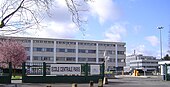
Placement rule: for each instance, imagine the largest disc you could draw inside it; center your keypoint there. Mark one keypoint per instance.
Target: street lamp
(160, 28)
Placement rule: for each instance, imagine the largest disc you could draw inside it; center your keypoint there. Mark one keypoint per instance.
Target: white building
(73, 51)
(146, 63)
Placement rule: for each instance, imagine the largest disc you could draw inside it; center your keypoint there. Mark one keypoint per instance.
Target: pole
(160, 28)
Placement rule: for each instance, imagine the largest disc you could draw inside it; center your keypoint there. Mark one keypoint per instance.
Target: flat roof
(164, 62)
(35, 38)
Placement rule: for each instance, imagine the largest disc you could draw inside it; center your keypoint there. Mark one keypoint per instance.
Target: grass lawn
(17, 77)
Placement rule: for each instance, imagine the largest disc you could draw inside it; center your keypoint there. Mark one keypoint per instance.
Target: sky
(134, 22)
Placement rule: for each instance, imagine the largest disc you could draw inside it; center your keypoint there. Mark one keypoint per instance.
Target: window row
(42, 41)
(143, 62)
(111, 45)
(87, 44)
(43, 58)
(39, 49)
(64, 42)
(107, 52)
(81, 59)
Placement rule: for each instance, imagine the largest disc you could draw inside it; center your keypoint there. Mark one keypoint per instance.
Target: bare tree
(18, 15)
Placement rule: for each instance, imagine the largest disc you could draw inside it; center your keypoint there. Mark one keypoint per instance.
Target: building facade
(145, 63)
(73, 51)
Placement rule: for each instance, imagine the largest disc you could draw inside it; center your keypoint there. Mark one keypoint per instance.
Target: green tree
(167, 57)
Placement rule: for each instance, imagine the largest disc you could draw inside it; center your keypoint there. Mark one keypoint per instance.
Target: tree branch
(2, 24)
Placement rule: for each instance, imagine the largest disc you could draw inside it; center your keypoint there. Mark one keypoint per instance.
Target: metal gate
(62, 72)
(5, 72)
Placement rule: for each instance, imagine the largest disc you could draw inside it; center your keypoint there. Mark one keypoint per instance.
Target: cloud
(105, 10)
(141, 49)
(153, 40)
(137, 29)
(57, 23)
(115, 32)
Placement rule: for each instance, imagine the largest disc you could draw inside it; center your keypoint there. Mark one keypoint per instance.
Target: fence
(62, 72)
(5, 72)
(167, 72)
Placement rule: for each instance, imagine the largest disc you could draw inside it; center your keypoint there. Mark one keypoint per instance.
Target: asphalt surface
(119, 81)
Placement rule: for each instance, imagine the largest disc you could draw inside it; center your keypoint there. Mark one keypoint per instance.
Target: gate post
(23, 71)
(10, 69)
(166, 70)
(44, 69)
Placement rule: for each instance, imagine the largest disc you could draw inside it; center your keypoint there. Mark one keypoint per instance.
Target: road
(140, 81)
(120, 81)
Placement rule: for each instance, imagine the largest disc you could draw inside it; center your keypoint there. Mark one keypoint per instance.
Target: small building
(140, 62)
(162, 66)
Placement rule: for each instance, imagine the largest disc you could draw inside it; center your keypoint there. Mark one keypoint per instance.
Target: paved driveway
(121, 81)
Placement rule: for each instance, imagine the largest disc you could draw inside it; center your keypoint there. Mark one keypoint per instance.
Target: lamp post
(106, 58)
(160, 28)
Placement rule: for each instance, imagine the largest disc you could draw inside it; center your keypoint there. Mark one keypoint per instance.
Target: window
(36, 58)
(91, 51)
(101, 51)
(27, 48)
(60, 59)
(91, 59)
(28, 57)
(71, 50)
(70, 59)
(120, 52)
(82, 59)
(61, 50)
(110, 52)
(82, 51)
(101, 59)
(111, 60)
(37, 49)
(49, 49)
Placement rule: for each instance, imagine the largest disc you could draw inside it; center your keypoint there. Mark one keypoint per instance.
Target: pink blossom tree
(12, 51)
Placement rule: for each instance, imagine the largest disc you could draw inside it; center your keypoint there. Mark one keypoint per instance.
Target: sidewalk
(45, 85)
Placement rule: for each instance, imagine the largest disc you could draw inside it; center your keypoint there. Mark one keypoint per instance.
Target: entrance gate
(62, 72)
(5, 72)
(167, 72)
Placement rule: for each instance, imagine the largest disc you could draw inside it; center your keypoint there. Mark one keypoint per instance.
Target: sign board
(94, 69)
(62, 69)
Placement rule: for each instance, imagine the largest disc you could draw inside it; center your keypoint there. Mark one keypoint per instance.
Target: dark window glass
(82, 59)
(91, 51)
(82, 51)
(49, 49)
(71, 50)
(70, 58)
(60, 59)
(101, 59)
(91, 59)
(120, 52)
(61, 50)
(37, 49)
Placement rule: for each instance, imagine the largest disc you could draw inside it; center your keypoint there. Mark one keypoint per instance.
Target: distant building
(73, 51)
(145, 63)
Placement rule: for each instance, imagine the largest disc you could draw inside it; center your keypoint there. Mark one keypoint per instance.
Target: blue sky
(134, 22)
(137, 25)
